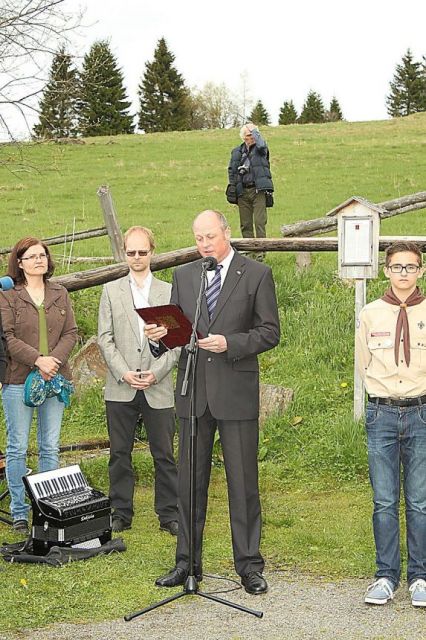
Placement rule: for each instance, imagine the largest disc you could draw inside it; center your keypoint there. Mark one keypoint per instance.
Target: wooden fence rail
(412, 202)
(93, 277)
(78, 235)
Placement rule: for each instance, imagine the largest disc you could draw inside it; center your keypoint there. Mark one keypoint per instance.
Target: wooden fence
(94, 277)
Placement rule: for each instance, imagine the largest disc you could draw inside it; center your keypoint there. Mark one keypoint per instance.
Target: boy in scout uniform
(391, 351)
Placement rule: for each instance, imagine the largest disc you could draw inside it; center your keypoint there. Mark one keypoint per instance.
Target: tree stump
(88, 365)
(274, 400)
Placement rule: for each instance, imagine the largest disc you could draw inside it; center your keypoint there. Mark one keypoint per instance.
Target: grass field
(163, 180)
(315, 492)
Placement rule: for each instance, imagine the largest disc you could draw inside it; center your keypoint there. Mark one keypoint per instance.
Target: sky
(340, 48)
(343, 48)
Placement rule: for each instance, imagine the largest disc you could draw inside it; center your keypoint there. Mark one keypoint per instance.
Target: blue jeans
(18, 423)
(396, 437)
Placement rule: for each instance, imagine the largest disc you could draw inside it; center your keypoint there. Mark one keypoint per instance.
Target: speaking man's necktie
(213, 290)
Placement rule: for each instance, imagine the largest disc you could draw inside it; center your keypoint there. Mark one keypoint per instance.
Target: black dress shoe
(175, 577)
(118, 524)
(254, 583)
(172, 527)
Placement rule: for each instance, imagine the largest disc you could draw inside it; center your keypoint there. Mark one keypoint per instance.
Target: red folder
(170, 316)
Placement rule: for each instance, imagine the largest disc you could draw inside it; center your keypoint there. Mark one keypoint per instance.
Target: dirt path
(296, 607)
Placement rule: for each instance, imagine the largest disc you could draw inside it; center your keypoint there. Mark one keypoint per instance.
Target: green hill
(163, 180)
(315, 496)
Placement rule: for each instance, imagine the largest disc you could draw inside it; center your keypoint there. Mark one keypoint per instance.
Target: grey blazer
(120, 344)
(247, 315)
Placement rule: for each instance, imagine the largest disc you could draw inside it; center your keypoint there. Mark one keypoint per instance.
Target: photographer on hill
(251, 184)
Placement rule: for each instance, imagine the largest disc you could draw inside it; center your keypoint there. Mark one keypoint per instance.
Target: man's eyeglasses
(399, 268)
(35, 256)
(143, 253)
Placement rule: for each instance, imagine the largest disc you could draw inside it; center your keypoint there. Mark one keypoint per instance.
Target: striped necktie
(213, 290)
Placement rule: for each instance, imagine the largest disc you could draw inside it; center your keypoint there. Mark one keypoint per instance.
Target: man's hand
(154, 332)
(215, 342)
(140, 379)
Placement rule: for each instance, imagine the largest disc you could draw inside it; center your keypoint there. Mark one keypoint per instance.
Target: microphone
(209, 263)
(6, 283)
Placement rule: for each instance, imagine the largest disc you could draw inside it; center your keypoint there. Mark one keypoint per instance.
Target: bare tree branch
(30, 32)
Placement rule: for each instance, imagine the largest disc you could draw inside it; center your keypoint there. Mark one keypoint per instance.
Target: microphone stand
(191, 585)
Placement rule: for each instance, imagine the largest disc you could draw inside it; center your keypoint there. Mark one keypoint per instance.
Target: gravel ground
(295, 607)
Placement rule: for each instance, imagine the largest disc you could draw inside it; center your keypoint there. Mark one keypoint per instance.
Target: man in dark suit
(242, 323)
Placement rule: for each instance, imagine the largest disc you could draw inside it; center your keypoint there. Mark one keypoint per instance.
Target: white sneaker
(380, 592)
(418, 593)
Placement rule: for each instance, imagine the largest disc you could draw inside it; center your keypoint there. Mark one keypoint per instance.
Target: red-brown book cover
(170, 316)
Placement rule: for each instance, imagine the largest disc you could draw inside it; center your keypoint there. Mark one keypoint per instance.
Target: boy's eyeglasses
(399, 268)
(143, 253)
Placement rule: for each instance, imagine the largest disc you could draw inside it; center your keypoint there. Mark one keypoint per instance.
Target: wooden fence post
(111, 223)
(359, 390)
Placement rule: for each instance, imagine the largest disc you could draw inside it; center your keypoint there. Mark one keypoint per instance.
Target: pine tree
(103, 108)
(58, 105)
(259, 115)
(423, 89)
(164, 98)
(407, 88)
(334, 113)
(288, 113)
(313, 109)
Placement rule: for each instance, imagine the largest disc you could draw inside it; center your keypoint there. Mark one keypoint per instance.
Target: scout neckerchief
(402, 323)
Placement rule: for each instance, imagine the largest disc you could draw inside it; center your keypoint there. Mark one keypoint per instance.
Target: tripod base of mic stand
(191, 589)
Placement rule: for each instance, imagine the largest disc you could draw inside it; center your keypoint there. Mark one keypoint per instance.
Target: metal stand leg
(191, 589)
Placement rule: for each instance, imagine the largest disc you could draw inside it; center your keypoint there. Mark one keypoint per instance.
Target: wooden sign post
(358, 224)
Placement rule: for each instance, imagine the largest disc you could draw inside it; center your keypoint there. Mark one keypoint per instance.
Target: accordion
(67, 512)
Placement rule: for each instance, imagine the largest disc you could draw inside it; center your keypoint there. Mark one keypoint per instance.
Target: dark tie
(213, 290)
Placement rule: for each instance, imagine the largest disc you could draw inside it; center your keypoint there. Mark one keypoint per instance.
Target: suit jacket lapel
(235, 271)
(154, 297)
(126, 300)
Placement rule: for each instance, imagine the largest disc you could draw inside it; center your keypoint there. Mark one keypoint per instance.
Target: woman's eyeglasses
(35, 256)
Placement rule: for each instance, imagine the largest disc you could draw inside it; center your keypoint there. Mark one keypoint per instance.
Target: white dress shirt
(225, 267)
(140, 299)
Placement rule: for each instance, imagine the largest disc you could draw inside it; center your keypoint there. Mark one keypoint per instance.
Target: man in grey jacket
(137, 384)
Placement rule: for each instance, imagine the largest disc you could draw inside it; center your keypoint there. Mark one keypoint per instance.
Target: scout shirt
(374, 345)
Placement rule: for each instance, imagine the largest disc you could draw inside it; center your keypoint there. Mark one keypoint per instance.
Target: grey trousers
(252, 207)
(122, 419)
(239, 440)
